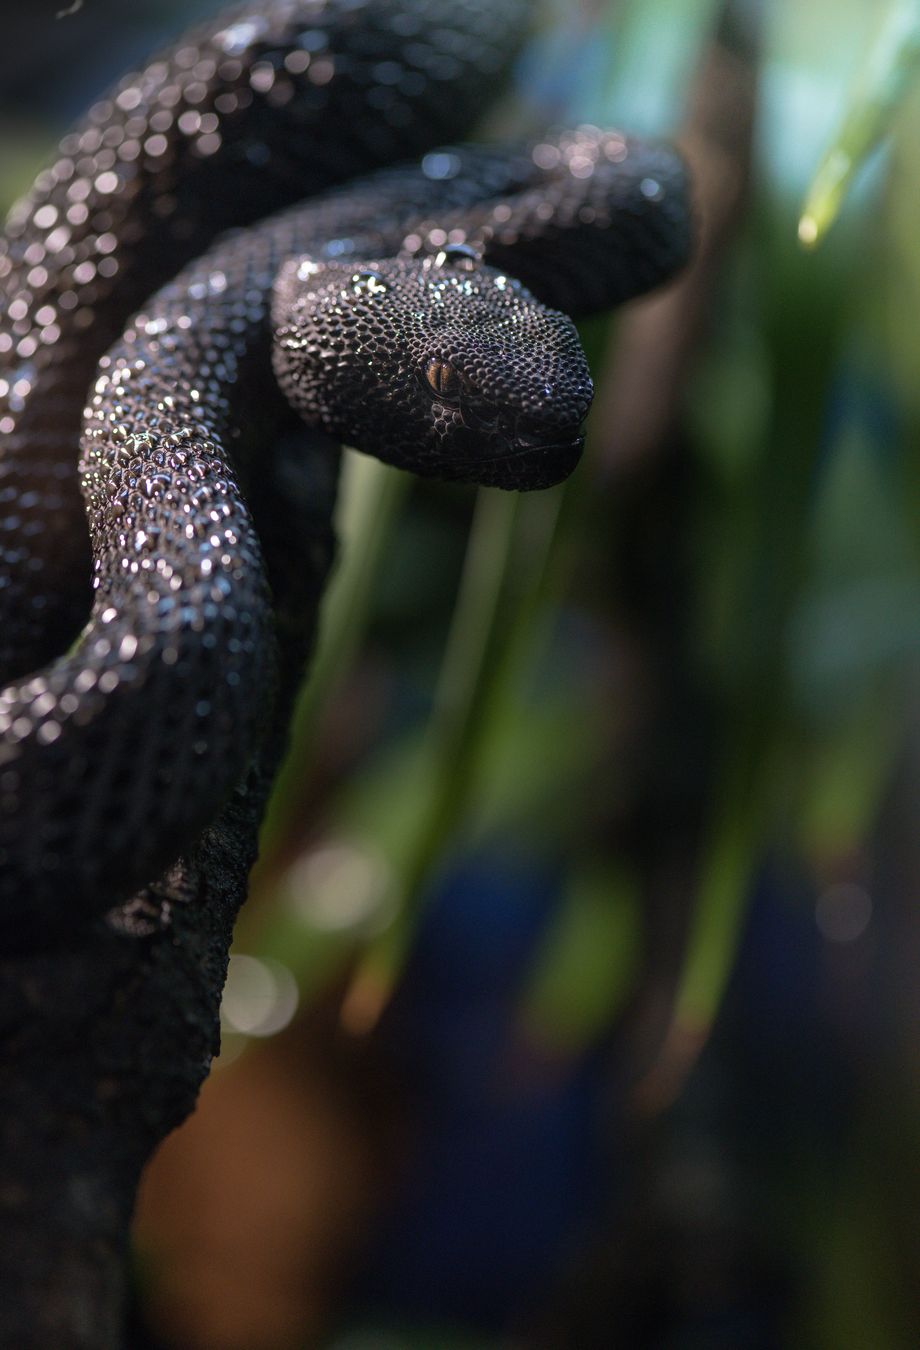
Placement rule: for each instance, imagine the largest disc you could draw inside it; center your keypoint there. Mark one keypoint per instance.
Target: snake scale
(218, 248)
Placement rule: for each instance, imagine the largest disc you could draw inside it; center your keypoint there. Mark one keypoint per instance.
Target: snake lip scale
(524, 459)
(230, 257)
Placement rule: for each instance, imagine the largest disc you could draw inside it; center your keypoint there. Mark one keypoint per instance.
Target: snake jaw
(538, 467)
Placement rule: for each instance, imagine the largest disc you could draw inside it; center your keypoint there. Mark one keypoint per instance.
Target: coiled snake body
(416, 316)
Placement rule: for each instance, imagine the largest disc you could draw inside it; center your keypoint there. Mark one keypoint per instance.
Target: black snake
(416, 312)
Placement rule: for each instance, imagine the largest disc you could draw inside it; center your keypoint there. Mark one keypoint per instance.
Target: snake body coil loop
(419, 313)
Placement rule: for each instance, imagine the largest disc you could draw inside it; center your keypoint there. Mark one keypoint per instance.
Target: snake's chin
(528, 468)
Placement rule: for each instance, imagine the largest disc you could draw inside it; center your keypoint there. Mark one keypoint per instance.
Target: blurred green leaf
(588, 958)
(22, 158)
(891, 67)
(651, 51)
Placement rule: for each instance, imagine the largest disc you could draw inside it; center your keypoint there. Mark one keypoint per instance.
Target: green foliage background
(800, 565)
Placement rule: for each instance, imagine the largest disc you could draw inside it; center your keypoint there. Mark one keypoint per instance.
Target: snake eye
(443, 379)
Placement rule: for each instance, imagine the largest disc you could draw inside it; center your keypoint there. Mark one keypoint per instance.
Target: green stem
(508, 537)
(371, 497)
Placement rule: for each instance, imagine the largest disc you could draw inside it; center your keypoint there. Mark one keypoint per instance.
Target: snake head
(441, 365)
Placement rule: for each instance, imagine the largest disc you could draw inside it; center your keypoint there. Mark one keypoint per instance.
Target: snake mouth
(569, 445)
(525, 466)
